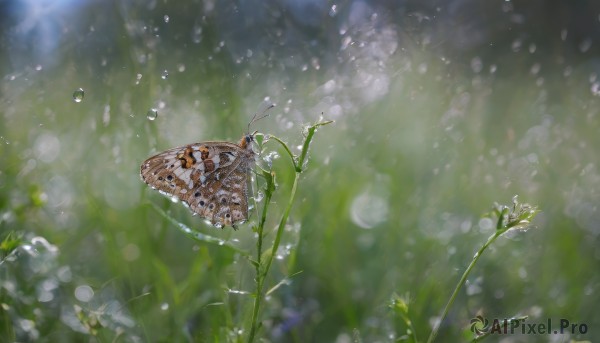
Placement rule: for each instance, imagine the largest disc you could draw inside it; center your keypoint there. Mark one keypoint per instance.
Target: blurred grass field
(438, 115)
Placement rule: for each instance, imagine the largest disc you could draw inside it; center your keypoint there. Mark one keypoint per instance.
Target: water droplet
(78, 95)
(474, 286)
(106, 115)
(197, 34)
(369, 210)
(315, 63)
(259, 196)
(535, 68)
(166, 18)
(152, 114)
(476, 64)
(585, 45)
(164, 306)
(516, 45)
(273, 155)
(164, 75)
(47, 147)
(333, 11)
(595, 88)
(27, 325)
(84, 293)
(346, 42)
(237, 291)
(131, 252)
(181, 67)
(532, 48)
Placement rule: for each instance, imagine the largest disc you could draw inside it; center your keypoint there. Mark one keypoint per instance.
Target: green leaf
(10, 243)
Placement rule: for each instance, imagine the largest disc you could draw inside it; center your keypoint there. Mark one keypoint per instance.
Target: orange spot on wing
(187, 158)
(203, 153)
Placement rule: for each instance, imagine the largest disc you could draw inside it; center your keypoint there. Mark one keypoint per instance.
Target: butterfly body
(211, 178)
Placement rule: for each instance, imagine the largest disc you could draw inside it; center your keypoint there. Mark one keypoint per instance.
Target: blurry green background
(441, 108)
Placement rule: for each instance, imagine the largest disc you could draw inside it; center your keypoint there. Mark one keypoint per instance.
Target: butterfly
(210, 178)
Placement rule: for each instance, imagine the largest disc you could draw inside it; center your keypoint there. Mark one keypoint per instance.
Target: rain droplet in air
(165, 75)
(369, 210)
(152, 114)
(595, 88)
(333, 11)
(78, 95)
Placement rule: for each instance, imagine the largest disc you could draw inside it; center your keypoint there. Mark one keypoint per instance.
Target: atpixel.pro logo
(481, 326)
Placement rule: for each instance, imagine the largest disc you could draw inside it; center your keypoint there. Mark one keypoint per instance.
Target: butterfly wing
(210, 178)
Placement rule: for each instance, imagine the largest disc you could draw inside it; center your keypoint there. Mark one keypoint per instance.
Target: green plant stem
(282, 223)
(519, 217)
(461, 282)
(261, 274)
(259, 277)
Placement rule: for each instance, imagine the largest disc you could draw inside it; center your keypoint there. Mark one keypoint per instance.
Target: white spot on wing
(178, 172)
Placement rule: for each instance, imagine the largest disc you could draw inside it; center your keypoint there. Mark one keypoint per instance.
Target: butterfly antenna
(256, 117)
